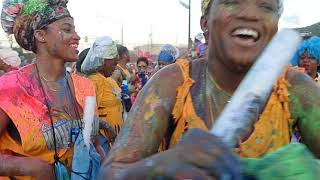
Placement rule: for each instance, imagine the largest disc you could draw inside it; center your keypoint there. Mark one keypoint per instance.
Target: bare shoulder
(167, 79)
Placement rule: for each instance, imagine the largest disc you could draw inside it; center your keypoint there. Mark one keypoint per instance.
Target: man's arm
(305, 107)
(147, 123)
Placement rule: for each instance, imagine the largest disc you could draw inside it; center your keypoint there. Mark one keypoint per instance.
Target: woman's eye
(67, 30)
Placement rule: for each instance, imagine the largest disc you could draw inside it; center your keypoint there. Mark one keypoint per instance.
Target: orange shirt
(272, 131)
(22, 99)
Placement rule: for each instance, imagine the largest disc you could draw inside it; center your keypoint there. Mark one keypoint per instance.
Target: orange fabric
(108, 100)
(21, 100)
(183, 111)
(272, 131)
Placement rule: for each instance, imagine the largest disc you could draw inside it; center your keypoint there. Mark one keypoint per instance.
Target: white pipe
(252, 94)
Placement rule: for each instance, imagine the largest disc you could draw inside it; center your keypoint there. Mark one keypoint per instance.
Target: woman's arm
(305, 107)
(21, 166)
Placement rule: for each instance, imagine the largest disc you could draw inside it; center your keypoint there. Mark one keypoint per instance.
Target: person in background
(126, 77)
(307, 57)
(200, 46)
(168, 55)
(99, 65)
(9, 60)
(124, 59)
(141, 77)
(82, 56)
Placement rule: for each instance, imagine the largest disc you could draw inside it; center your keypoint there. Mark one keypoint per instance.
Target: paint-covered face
(240, 29)
(308, 63)
(142, 67)
(109, 66)
(163, 64)
(62, 39)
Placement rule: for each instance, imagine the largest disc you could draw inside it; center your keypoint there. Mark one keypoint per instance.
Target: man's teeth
(74, 45)
(246, 32)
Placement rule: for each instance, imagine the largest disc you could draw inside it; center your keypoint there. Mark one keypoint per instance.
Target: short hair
(143, 59)
(121, 50)
(279, 10)
(82, 56)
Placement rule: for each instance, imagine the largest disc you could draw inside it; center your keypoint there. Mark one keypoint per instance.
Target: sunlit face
(308, 63)
(240, 29)
(62, 39)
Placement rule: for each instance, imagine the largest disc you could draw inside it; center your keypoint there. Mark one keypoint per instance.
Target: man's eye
(268, 7)
(230, 2)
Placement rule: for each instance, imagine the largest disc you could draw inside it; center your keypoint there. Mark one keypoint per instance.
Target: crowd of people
(151, 120)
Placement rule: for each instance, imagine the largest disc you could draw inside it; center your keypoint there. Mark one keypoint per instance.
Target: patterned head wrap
(103, 48)
(205, 6)
(23, 17)
(311, 46)
(168, 53)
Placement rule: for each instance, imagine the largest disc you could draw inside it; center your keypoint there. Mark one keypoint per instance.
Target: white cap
(10, 57)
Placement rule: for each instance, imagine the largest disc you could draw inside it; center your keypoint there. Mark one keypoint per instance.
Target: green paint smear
(33, 6)
(307, 111)
(293, 161)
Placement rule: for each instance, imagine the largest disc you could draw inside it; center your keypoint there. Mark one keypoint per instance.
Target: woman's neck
(224, 77)
(50, 68)
(122, 63)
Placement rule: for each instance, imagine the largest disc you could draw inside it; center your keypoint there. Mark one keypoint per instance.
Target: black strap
(56, 155)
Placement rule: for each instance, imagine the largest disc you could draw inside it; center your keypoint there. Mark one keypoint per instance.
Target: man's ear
(40, 36)
(204, 23)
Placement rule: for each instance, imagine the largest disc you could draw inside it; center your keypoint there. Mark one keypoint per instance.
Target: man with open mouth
(187, 96)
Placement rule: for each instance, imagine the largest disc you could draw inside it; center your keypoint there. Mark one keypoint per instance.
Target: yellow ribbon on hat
(204, 6)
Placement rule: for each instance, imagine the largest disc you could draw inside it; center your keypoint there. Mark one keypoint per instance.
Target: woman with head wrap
(9, 60)
(168, 55)
(307, 57)
(41, 105)
(99, 65)
(187, 97)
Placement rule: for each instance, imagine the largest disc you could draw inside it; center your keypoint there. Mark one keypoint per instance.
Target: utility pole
(151, 40)
(188, 6)
(189, 28)
(122, 34)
